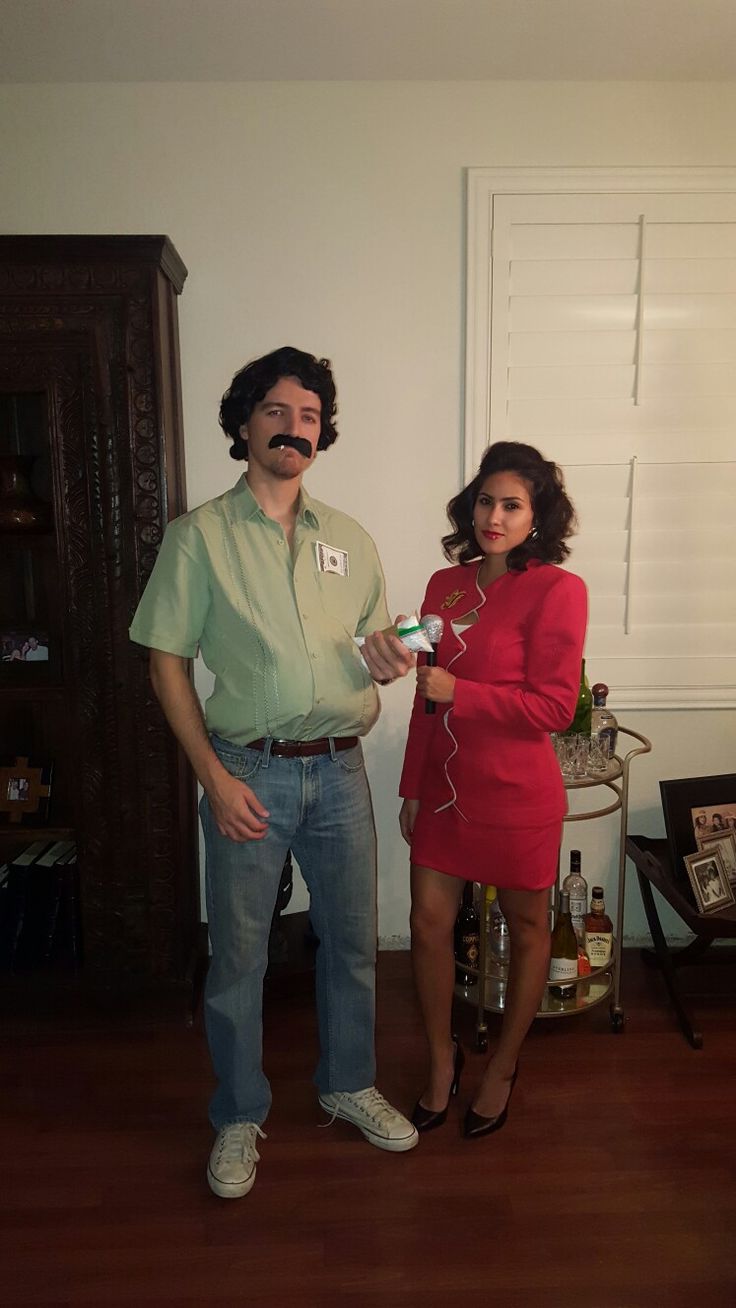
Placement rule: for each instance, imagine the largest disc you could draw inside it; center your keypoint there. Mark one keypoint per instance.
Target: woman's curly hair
(554, 515)
(255, 380)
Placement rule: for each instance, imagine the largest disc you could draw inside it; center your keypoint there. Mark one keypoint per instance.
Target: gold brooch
(452, 598)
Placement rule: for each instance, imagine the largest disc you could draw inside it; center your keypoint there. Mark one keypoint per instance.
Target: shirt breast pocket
(338, 601)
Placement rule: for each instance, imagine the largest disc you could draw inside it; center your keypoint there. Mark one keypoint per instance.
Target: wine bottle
(580, 724)
(598, 931)
(467, 939)
(563, 963)
(602, 721)
(577, 888)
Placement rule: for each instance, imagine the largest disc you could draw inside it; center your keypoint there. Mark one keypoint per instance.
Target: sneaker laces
(370, 1101)
(238, 1143)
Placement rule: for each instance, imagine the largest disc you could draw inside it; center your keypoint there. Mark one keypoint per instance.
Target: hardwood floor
(612, 1186)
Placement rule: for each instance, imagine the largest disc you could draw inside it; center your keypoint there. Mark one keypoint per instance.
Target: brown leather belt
(304, 748)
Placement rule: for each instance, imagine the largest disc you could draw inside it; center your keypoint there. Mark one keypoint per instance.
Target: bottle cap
(597, 892)
(575, 859)
(564, 902)
(600, 689)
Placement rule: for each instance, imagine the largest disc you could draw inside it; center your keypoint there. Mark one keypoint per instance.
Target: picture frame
(24, 645)
(726, 844)
(708, 880)
(684, 801)
(25, 791)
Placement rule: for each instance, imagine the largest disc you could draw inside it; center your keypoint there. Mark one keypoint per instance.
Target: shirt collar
(308, 510)
(248, 506)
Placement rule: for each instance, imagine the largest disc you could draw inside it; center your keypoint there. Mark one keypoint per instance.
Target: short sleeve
(173, 609)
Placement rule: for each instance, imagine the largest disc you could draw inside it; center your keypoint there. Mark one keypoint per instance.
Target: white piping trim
(452, 803)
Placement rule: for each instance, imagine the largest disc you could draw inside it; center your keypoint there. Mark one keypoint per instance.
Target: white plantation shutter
(602, 329)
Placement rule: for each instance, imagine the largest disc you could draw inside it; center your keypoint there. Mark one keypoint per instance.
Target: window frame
(482, 186)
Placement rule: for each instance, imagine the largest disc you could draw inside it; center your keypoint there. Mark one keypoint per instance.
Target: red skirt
(523, 858)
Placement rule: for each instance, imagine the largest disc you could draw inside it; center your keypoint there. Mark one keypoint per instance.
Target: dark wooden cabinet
(90, 432)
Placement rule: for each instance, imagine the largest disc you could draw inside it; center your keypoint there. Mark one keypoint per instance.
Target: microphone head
(433, 626)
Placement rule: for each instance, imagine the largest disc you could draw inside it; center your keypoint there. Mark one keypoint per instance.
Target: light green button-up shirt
(276, 631)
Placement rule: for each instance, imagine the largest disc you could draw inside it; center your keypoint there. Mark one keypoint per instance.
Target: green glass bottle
(583, 709)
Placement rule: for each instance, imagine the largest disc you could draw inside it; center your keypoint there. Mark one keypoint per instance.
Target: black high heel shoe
(425, 1119)
(475, 1125)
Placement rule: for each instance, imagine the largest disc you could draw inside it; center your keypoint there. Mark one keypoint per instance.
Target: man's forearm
(183, 712)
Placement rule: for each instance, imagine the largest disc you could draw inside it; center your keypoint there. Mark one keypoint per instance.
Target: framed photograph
(25, 791)
(24, 646)
(726, 845)
(695, 809)
(708, 880)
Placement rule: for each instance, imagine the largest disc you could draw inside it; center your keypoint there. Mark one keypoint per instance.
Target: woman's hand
(407, 818)
(437, 684)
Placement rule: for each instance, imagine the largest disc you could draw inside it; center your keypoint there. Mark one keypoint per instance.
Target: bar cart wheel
(617, 1019)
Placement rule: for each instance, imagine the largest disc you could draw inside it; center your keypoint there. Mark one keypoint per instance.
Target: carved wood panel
(85, 332)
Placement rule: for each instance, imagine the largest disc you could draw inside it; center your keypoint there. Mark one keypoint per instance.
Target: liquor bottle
(497, 937)
(598, 931)
(602, 721)
(467, 939)
(580, 724)
(563, 963)
(577, 888)
(584, 970)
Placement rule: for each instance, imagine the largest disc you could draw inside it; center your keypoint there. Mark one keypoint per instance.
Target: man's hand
(407, 818)
(386, 656)
(437, 684)
(237, 811)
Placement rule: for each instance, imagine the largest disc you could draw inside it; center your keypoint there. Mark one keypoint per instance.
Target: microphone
(433, 627)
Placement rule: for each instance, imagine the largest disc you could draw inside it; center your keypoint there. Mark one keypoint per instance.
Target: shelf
(614, 770)
(35, 692)
(34, 539)
(29, 834)
(551, 1006)
(590, 991)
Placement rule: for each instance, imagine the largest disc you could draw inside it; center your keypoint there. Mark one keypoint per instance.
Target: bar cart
(489, 993)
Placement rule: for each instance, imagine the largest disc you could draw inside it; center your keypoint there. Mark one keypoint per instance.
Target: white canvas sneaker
(381, 1124)
(231, 1170)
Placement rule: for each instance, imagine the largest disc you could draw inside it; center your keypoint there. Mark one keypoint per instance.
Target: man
(271, 586)
(35, 652)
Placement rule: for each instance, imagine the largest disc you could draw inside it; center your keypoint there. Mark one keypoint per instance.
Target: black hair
(554, 515)
(255, 380)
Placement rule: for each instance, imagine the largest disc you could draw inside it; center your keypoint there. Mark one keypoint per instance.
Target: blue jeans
(320, 807)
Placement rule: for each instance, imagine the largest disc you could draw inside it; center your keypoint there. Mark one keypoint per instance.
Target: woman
(483, 795)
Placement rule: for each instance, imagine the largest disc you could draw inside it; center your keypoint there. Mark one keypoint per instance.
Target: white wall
(330, 216)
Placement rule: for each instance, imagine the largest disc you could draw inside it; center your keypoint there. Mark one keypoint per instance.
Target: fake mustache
(296, 442)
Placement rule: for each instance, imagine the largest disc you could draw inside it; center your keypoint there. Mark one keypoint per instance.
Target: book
(29, 855)
(56, 853)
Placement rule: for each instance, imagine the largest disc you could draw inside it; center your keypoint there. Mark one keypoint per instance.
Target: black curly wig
(255, 380)
(554, 515)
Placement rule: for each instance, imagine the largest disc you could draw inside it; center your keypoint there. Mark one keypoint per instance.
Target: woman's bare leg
(435, 901)
(526, 912)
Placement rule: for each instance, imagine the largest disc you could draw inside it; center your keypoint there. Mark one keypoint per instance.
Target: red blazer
(518, 678)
